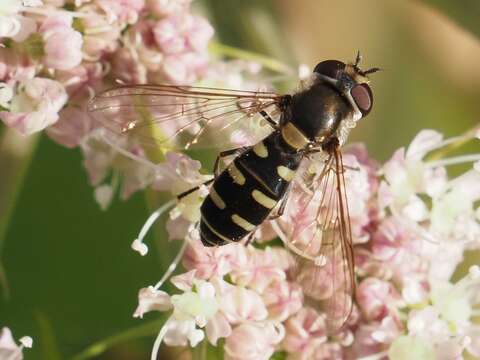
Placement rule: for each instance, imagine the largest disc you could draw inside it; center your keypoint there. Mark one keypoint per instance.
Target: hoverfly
(311, 123)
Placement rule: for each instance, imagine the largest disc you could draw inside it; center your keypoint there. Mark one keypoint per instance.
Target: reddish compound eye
(363, 97)
(330, 68)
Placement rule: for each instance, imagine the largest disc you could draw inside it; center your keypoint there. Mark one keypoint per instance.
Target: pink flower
(127, 67)
(179, 173)
(183, 38)
(100, 158)
(400, 247)
(35, 105)
(14, 25)
(377, 299)
(150, 299)
(9, 350)
(161, 8)
(123, 11)
(73, 126)
(213, 261)
(372, 339)
(182, 33)
(62, 44)
(253, 341)
(239, 304)
(305, 333)
(282, 299)
(184, 68)
(263, 267)
(100, 35)
(15, 66)
(82, 80)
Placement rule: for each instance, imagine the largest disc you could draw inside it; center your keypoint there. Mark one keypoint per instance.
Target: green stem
(15, 155)
(265, 61)
(462, 140)
(147, 329)
(465, 12)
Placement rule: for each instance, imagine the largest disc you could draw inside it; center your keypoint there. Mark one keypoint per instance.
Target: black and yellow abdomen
(245, 193)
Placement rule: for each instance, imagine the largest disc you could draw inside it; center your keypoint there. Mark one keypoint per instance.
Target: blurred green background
(68, 275)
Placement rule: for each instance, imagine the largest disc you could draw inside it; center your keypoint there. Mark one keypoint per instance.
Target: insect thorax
(318, 111)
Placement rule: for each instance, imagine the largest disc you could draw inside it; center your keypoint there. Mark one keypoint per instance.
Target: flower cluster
(411, 225)
(55, 54)
(9, 350)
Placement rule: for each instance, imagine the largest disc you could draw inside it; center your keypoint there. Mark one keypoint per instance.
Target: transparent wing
(181, 117)
(320, 241)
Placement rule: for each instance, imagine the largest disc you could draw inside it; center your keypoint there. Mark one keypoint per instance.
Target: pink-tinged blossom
(182, 33)
(305, 334)
(377, 299)
(213, 261)
(150, 299)
(62, 44)
(116, 157)
(140, 59)
(35, 106)
(162, 8)
(405, 305)
(6, 95)
(9, 350)
(452, 210)
(15, 67)
(282, 300)
(14, 25)
(100, 36)
(183, 68)
(177, 174)
(195, 309)
(253, 341)
(239, 304)
(72, 127)
(183, 39)
(81, 81)
(262, 268)
(123, 11)
(400, 247)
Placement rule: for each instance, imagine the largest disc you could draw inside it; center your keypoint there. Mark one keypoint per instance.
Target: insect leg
(215, 170)
(188, 192)
(283, 204)
(249, 238)
(269, 119)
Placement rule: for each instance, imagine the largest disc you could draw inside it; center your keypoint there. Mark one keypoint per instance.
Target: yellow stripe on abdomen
(244, 224)
(263, 199)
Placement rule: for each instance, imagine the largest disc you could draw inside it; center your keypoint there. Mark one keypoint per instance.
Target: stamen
(128, 154)
(159, 339)
(453, 160)
(49, 12)
(138, 244)
(173, 265)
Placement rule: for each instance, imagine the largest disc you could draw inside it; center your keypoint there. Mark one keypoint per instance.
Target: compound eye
(330, 68)
(363, 97)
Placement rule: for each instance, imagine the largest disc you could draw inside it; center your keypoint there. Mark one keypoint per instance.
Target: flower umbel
(413, 225)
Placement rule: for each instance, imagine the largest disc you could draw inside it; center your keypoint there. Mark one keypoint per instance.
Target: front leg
(216, 171)
(282, 206)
